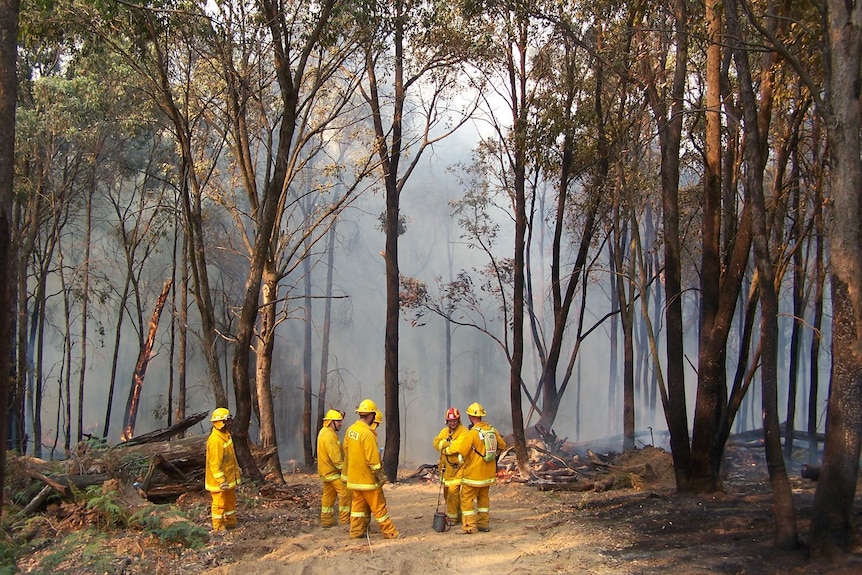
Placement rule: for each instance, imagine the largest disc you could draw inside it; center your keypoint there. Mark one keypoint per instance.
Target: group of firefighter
(352, 471)
(353, 477)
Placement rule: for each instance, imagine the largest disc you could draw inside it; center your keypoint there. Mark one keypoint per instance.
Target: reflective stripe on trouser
(334, 491)
(477, 516)
(223, 510)
(230, 508)
(373, 502)
(452, 496)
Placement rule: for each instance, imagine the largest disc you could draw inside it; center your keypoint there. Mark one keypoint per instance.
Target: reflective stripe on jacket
(362, 457)
(330, 456)
(475, 470)
(450, 465)
(221, 464)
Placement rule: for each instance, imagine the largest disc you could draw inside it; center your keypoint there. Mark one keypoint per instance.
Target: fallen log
(37, 502)
(601, 485)
(60, 488)
(811, 472)
(170, 491)
(165, 434)
(185, 454)
(423, 470)
(755, 437)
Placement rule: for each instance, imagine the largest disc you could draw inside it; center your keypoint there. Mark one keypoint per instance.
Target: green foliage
(108, 512)
(170, 526)
(88, 547)
(132, 465)
(8, 556)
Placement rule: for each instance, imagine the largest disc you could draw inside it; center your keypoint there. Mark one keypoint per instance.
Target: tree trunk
(712, 348)
(182, 315)
(831, 525)
(64, 382)
(263, 366)
(519, 117)
(8, 98)
(85, 308)
(389, 153)
(799, 305)
(308, 435)
(561, 298)
(786, 536)
(669, 121)
(325, 336)
(817, 324)
(140, 371)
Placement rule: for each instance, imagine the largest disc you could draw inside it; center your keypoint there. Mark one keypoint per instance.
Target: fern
(91, 545)
(170, 526)
(104, 504)
(8, 557)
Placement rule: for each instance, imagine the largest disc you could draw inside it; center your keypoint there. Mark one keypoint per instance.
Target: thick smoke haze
(590, 409)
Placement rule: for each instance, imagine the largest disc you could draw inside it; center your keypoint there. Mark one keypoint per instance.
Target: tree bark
(263, 366)
(786, 536)
(669, 122)
(140, 371)
(8, 97)
(308, 435)
(831, 525)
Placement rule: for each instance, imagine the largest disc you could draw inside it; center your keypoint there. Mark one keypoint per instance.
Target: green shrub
(8, 557)
(91, 546)
(108, 512)
(170, 526)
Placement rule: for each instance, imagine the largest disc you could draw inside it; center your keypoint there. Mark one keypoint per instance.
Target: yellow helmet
(333, 415)
(476, 410)
(220, 414)
(366, 406)
(378, 416)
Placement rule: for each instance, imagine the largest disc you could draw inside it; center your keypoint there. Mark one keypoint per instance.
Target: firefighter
(477, 450)
(378, 419)
(450, 468)
(330, 460)
(222, 471)
(365, 477)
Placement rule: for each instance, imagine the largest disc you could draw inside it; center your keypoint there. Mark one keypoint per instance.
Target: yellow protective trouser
(452, 497)
(478, 516)
(374, 502)
(333, 491)
(223, 509)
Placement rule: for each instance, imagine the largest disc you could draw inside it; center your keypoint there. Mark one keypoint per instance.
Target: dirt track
(647, 531)
(524, 539)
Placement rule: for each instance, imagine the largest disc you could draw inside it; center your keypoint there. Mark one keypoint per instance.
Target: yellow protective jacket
(362, 459)
(330, 456)
(475, 470)
(221, 464)
(450, 466)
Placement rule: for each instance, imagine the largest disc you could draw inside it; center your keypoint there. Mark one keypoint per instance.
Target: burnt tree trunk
(141, 367)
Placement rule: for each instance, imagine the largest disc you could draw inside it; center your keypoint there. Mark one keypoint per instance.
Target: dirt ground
(645, 529)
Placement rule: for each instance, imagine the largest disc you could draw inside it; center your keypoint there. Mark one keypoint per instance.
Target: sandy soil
(527, 536)
(645, 530)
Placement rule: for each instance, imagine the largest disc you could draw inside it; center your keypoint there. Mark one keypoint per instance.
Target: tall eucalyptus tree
(419, 46)
(8, 98)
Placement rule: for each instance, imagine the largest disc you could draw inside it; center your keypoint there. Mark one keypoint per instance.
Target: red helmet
(452, 413)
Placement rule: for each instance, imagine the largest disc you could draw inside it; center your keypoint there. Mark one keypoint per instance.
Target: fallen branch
(422, 470)
(164, 434)
(555, 457)
(37, 502)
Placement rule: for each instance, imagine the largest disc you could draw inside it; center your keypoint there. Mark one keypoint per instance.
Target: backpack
(489, 437)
